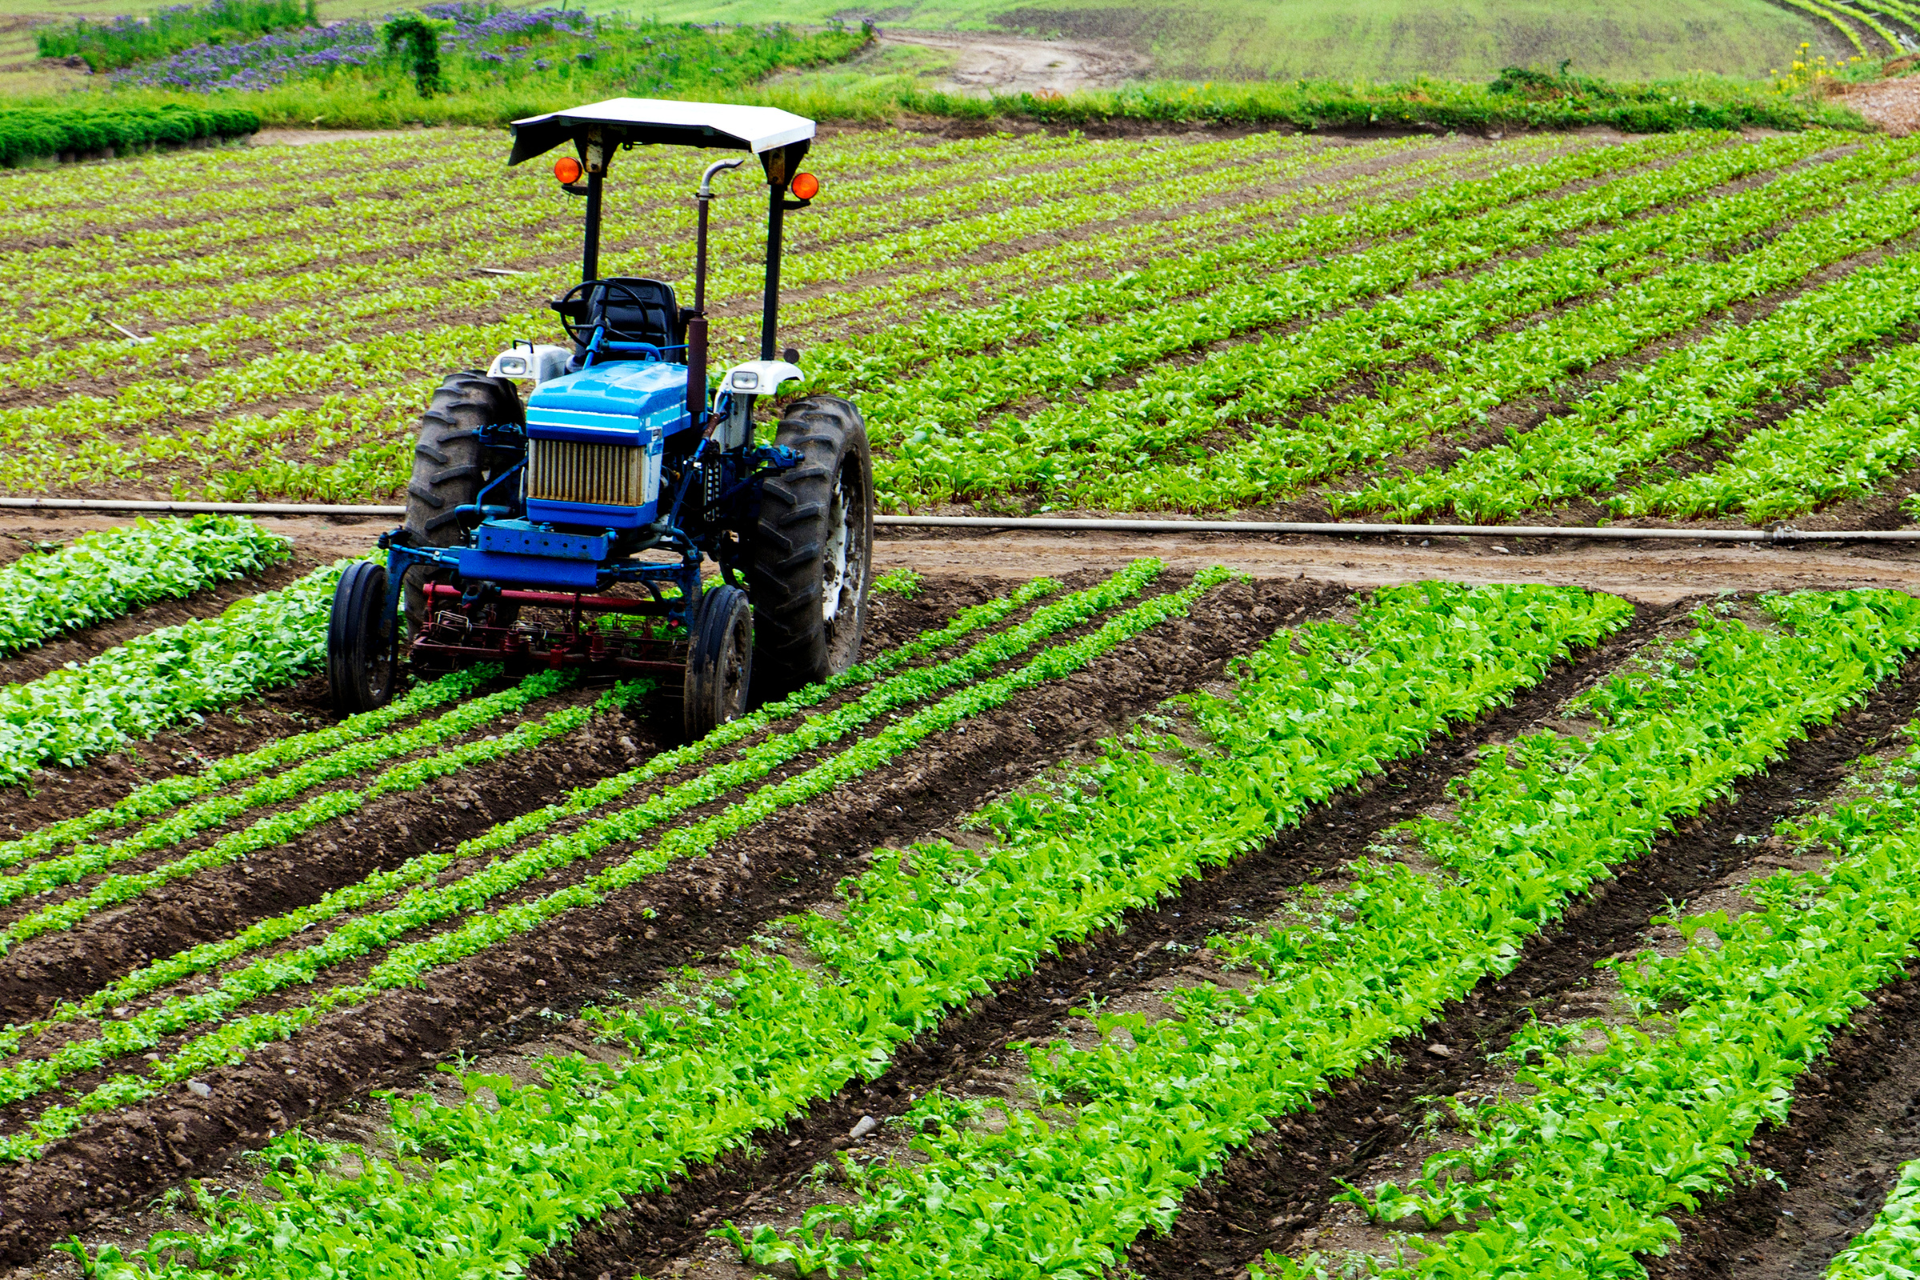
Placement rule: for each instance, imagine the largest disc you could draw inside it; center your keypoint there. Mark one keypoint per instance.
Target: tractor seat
(649, 313)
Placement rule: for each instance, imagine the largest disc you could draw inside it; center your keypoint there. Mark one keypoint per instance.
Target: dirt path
(986, 62)
(1653, 573)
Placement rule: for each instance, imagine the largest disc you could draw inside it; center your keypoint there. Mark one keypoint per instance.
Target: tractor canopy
(651, 120)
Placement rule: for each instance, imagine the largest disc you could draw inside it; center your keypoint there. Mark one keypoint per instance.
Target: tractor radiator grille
(610, 475)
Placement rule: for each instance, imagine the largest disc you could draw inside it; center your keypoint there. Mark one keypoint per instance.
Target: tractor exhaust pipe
(697, 325)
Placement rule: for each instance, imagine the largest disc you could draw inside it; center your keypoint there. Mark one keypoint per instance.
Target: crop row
(209, 219)
(165, 676)
(417, 250)
(915, 941)
(347, 417)
(1090, 451)
(1696, 393)
(87, 860)
(422, 238)
(751, 763)
(483, 927)
(391, 361)
(1841, 446)
(1184, 303)
(1161, 1106)
(425, 905)
(1274, 455)
(342, 320)
(1583, 1171)
(105, 573)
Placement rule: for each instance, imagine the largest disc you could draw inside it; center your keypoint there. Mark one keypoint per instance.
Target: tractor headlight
(744, 380)
(513, 366)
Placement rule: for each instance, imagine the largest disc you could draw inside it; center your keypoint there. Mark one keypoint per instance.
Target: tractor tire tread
(794, 644)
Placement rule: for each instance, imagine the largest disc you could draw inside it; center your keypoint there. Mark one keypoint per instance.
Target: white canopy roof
(687, 124)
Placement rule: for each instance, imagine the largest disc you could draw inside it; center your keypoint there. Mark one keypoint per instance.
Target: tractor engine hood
(595, 439)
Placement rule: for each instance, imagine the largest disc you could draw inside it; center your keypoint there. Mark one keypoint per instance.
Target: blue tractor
(572, 527)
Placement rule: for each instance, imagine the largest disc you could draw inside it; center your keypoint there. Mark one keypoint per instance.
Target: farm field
(1158, 907)
(1194, 888)
(1697, 327)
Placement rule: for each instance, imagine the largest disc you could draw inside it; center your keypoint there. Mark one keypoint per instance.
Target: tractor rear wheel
(360, 673)
(812, 553)
(719, 661)
(451, 466)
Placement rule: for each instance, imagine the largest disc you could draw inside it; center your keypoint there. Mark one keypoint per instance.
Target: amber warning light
(567, 170)
(805, 186)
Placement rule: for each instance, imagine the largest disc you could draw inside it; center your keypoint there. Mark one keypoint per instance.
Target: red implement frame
(455, 636)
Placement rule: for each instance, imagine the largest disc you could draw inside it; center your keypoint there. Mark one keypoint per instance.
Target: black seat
(640, 310)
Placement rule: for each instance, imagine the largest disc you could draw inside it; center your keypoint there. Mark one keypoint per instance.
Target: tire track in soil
(654, 1230)
(703, 906)
(73, 962)
(1281, 1184)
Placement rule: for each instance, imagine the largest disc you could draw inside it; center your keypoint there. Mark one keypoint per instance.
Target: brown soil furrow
(1279, 1187)
(354, 971)
(657, 1232)
(694, 908)
(388, 831)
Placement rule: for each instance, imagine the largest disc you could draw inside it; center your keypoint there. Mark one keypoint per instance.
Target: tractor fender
(525, 361)
(733, 401)
(758, 378)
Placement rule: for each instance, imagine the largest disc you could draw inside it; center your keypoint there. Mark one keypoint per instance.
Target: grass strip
(281, 827)
(1581, 1175)
(407, 965)
(916, 940)
(1163, 1108)
(105, 573)
(167, 794)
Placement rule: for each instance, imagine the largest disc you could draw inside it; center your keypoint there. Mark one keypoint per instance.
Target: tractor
(571, 527)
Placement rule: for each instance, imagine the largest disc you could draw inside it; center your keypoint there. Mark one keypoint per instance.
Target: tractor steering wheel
(582, 331)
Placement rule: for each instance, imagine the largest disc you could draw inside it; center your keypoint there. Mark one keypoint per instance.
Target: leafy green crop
(1538, 823)
(916, 940)
(103, 574)
(166, 676)
(1582, 1172)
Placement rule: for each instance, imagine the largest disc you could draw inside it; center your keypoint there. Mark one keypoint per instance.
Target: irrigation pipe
(1777, 535)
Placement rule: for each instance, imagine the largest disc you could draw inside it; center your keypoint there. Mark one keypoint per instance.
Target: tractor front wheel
(812, 553)
(360, 673)
(719, 661)
(451, 466)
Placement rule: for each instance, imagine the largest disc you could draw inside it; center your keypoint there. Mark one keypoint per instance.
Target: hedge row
(32, 132)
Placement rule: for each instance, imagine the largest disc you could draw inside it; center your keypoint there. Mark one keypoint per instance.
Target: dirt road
(1653, 573)
(987, 62)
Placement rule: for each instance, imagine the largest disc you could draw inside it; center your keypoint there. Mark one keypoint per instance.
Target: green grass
(1379, 40)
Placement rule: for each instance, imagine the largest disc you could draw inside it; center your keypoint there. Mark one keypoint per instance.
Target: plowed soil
(519, 1000)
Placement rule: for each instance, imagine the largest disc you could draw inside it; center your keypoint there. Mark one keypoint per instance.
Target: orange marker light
(805, 186)
(567, 170)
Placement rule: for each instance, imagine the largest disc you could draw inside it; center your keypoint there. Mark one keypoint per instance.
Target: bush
(35, 132)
